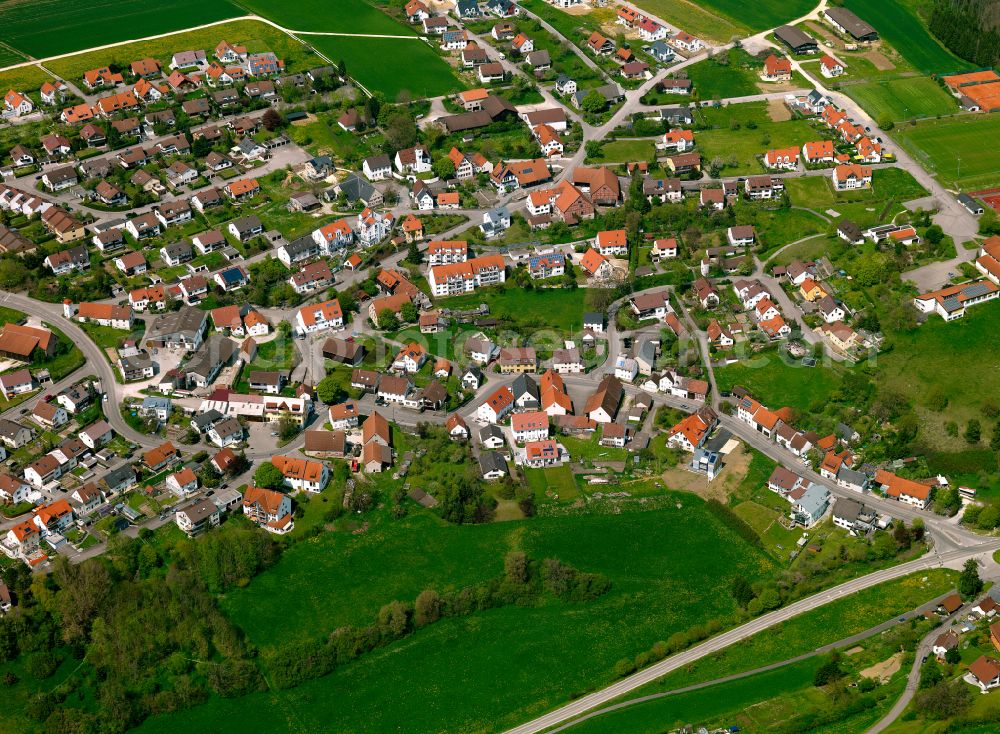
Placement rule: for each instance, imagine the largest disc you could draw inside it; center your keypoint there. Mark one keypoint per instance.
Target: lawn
(403, 65)
(762, 14)
(954, 359)
(50, 27)
(706, 706)
(106, 337)
(625, 151)
(902, 99)
(554, 308)
(558, 480)
(713, 80)
(776, 381)
(345, 16)
(745, 146)
(492, 669)
(956, 149)
(907, 34)
(253, 34)
(695, 20)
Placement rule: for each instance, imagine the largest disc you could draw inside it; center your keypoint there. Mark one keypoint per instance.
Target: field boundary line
(352, 35)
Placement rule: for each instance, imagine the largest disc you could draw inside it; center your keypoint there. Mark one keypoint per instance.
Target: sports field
(907, 34)
(44, 28)
(390, 65)
(962, 151)
(761, 14)
(338, 16)
(903, 99)
(492, 669)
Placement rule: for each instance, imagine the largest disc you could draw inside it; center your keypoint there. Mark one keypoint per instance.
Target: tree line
(969, 28)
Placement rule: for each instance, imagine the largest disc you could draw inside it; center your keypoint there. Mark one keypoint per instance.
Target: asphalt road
(953, 559)
(841, 644)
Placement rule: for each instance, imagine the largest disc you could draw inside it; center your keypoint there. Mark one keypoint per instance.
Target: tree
(408, 312)
(969, 583)
(934, 234)
(742, 591)
(427, 608)
(400, 130)
(268, 475)
(413, 254)
(973, 431)
(953, 656)
(287, 429)
(342, 69)
(902, 535)
(330, 390)
(387, 320)
(444, 167)
(594, 103)
(945, 700)
(272, 120)
(828, 672)
(995, 439)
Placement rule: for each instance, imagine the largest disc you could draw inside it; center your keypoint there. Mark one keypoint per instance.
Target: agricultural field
(45, 28)
(900, 27)
(9, 56)
(332, 16)
(954, 149)
(535, 651)
(760, 15)
(694, 19)
(777, 381)
(24, 78)
(404, 66)
(253, 34)
(902, 99)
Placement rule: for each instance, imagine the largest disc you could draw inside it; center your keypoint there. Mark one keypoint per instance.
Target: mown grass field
(391, 65)
(625, 151)
(44, 28)
(901, 27)
(716, 704)
(492, 669)
(959, 150)
(253, 34)
(338, 16)
(902, 99)
(777, 382)
(759, 15)
(694, 19)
